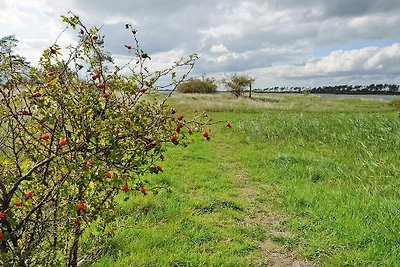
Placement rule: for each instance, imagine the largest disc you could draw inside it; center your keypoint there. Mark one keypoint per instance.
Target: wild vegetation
(204, 85)
(316, 176)
(75, 134)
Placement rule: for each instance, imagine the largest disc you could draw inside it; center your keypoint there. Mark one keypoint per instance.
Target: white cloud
(163, 60)
(7, 14)
(375, 25)
(222, 31)
(387, 57)
(356, 61)
(115, 19)
(218, 49)
(341, 66)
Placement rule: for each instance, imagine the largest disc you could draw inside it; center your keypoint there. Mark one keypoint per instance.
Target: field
(297, 181)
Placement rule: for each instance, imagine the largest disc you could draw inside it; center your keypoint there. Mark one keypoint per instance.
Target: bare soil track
(260, 214)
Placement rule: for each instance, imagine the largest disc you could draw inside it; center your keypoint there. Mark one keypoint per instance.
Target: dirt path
(261, 214)
(270, 221)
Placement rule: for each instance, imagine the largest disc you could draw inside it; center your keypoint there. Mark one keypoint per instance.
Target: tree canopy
(203, 85)
(237, 83)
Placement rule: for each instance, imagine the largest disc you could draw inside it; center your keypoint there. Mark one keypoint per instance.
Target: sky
(278, 42)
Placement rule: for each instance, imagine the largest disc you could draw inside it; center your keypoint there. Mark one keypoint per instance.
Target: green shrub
(199, 85)
(73, 134)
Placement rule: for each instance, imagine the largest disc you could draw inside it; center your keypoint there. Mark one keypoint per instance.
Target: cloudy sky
(280, 42)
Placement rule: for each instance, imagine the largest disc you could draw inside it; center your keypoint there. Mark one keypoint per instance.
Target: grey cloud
(339, 8)
(346, 8)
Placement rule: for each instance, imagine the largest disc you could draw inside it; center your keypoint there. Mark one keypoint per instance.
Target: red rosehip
(178, 130)
(28, 195)
(228, 124)
(108, 174)
(52, 50)
(94, 37)
(81, 31)
(125, 187)
(26, 113)
(128, 46)
(100, 86)
(81, 206)
(18, 203)
(89, 164)
(143, 190)
(205, 135)
(180, 118)
(1, 215)
(77, 221)
(190, 131)
(106, 95)
(96, 76)
(62, 142)
(162, 157)
(51, 73)
(1, 234)
(37, 94)
(142, 90)
(45, 137)
(174, 139)
(160, 169)
(41, 120)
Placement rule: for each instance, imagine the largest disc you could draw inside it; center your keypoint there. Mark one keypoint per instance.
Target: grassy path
(215, 216)
(259, 212)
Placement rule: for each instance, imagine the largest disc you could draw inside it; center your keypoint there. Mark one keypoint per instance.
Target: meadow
(297, 181)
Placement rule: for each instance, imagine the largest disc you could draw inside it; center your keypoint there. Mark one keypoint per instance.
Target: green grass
(200, 223)
(328, 168)
(337, 175)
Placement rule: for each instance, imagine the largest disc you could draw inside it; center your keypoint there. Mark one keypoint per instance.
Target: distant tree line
(390, 89)
(239, 84)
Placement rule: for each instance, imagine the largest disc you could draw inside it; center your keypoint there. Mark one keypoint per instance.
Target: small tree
(202, 85)
(237, 84)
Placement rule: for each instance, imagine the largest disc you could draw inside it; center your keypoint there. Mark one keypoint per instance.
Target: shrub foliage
(74, 133)
(202, 85)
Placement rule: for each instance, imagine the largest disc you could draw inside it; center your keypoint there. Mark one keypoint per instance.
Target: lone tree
(203, 85)
(238, 83)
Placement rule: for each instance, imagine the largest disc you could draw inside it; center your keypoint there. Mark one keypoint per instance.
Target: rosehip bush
(74, 133)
